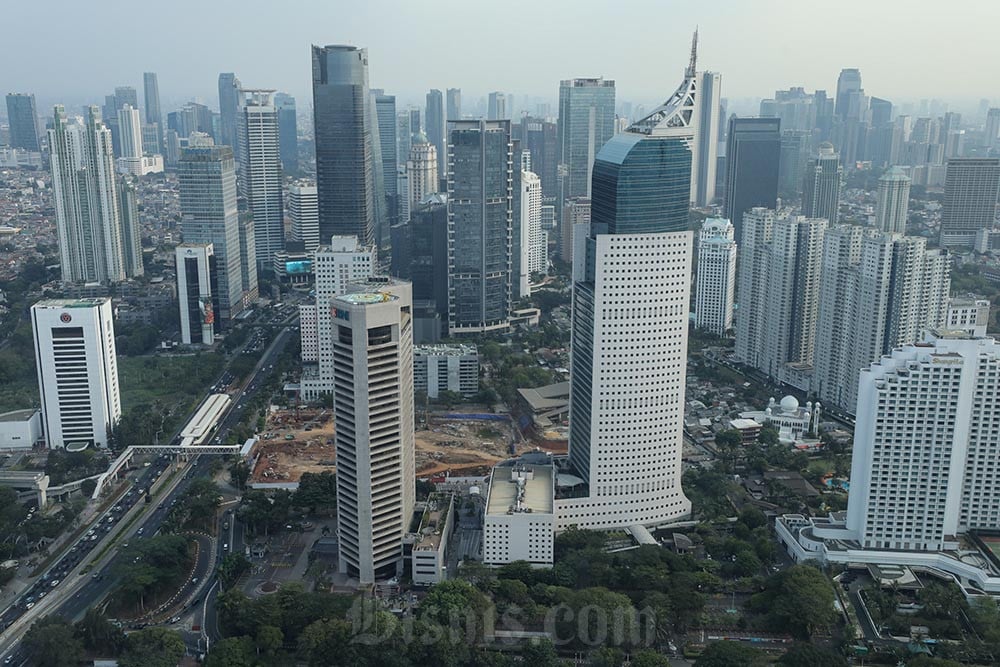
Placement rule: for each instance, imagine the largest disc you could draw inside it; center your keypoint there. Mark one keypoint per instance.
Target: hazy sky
(74, 51)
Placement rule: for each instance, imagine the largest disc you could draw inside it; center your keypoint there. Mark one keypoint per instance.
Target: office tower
(88, 221)
(795, 146)
(126, 95)
(576, 211)
(23, 119)
(288, 132)
(77, 368)
(195, 264)
(229, 103)
(248, 258)
(970, 198)
(454, 104)
(437, 128)
(403, 188)
(497, 109)
(335, 266)
(878, 291)
(372, 337)
(403, 138)
(586, 122)
(848, 87)
(707, 140)
(416, 125)
(924, 459)
(209, 214)
(128, 208)
(753, 151)
(130, 131)
(345, 170)
(778, 292)
(303, 209)
(385, 111)
(893, 201)
(821, 185)
(630, 324)
(421, 170)
(151, 96)
(715, 290)
(420, 255)
(261, 178)
(480, 223)
(990, 136)
(540, 138)
(534, 241)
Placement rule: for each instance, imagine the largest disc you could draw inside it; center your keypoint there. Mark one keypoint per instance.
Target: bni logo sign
(341, 314)
(65, 318)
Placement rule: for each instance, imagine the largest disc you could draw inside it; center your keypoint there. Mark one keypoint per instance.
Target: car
(194, 580)
(225, 547)
(139, 532)
(29, 605)
(55, 582)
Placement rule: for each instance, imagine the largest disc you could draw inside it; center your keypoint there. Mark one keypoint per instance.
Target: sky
(73, 51)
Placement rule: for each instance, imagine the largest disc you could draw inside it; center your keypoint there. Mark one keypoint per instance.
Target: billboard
(298, 267)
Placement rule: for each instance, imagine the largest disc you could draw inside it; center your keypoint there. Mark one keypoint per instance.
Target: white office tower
(715, 290)
(88, 221)
(778, 293)
(303, 209)
(893, 201)
(878, 291)
(705, 157)
(421, 170)
(372, 337)
(335, 266)
(195, 266)
(534, 240)
(130, 131)
(968, 314)
(261, 177)
(403, 188)
(77, 371)
(630, 325)
(925, 464)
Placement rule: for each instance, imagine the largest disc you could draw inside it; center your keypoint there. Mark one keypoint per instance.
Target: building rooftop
(70, 303)
(455, 350)
(432, 521)
(521, 489)
(367, 298)
(18, 415)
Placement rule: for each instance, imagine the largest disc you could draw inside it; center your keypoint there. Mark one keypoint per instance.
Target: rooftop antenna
(694, 55)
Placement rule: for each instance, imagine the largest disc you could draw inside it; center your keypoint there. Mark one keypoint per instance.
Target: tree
(98, 634)
(798, 600)
(153, 647)
(87, 487)
(455, 603)
(424, 489)
(51, 643)
(317, 491)
(269, 639)
(239, 474)
(649, 658)
(233, 565)
(232, 652)
(768, 436)
(730, 654)
(808, 655)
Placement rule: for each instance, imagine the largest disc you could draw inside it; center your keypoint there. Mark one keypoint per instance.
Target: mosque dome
(789, 404)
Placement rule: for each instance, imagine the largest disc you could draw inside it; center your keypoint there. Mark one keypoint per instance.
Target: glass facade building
(586, 122)
(753, 153)
(23, 119)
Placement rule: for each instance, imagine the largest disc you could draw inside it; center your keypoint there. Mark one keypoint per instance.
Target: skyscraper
(128, 207)
(88, 220)
(991, 131)
(454, 104)
(126, 95)
(540, 138)
(630, 323)
(848, 88)
(970, 198)
(534, 241)
(195, 264)
(576, 217)
(130, 131)
(497, 109)
(821, 185)
(437, 128)
(715, 290)
(893, 201)
(229, 109)
(261, 178)
(753, 152)
(23, 119)
(420, 255)
(795, 147)
(372, 337)
(422, 171)
(385, 112)
(586, 122)
(345, 171)
(77, 370)
(209, 214)
(706, 156)
(403, 137)
(480, 220)
(151, 96)
(303, 209)
(288, 133)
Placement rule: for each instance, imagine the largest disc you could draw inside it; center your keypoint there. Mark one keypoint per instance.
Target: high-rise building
(130, 131)
(385, 112)
(437, 128)
(422, 171)
(848, 87)
(303, 209)
(151, 96)
(454, 104)
(706, 155)
(778, 293)
(795, 146)
(195, 264)
(372, 338)
(126, 95)
(420, 255)
(248, 259)
(403, 138)
(288, 132)
(345, 169)
(540, 138)
(821, 185)
(261, 179)
(753, 151)
(968, 314)
(576, 211)
(77, 369)
(209, 214)
(88, 219)
(924, 456)
(715, 289)
(878, 291)
(480, 221)
(970, 199)
(893, 201)
(586, 122)
(992, 128)
(229, 110)
(128, 208)
(23, 119)
(534, 241)
(497, 109)
(630, 324)
(416, 125)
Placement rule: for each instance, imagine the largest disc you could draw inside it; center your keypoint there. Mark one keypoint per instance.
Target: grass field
(170, 380)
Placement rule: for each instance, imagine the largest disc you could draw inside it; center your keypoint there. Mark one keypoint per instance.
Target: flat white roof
(537, 494)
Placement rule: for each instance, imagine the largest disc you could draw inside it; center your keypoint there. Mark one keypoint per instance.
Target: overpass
(27, 482)
(119, 465)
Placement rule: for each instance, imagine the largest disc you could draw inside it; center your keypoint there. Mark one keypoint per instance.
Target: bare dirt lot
(462, 447)
(295, 443)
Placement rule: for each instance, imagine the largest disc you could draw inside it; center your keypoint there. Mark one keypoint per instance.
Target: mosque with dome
(794, 422)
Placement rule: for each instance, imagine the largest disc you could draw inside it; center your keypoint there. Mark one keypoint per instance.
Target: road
(71, 600)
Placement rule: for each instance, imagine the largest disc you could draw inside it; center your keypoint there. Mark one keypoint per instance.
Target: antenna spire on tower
(694, 55)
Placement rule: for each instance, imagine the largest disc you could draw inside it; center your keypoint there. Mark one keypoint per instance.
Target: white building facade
(893, 201)
(438, 368)
(261, 176)
(534, 240)
(303, 209)
(968, 314)
(422, 172)
(520, 522)
(195, 264)
(715, 290)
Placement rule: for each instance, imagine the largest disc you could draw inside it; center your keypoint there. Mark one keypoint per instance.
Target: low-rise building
(794, 423)
(20, 429)
(968, 314)
(429, 552)
(438, 368)
(520, 516)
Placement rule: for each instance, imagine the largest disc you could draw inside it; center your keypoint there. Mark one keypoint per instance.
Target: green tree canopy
(731, 654)
(51, 642)
(798, 600)
(152, 647)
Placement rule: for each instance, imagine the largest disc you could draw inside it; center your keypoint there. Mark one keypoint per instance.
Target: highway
(70, 599)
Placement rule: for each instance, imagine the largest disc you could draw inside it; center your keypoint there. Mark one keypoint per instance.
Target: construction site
(295, 441)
